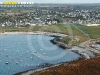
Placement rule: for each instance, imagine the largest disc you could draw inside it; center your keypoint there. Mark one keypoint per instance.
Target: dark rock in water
(52, 41)
(97, 42)
(59, 44)
(45, 65)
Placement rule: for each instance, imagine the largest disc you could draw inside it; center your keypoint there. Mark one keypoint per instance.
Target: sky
(56, 1)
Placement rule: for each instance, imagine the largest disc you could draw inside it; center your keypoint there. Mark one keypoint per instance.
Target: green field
(92, 31)
(13, 29)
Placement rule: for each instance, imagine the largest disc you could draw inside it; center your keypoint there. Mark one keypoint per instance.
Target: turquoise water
(23, 52)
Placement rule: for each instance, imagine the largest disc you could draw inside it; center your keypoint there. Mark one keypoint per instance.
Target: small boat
(41, 49)
(7, 55)
(39, 56)
(44, 53)
(16, 62)
(13, 58)
(6, 62)
(5, 49)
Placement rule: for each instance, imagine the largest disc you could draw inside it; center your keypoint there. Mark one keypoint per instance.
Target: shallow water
(24, 52)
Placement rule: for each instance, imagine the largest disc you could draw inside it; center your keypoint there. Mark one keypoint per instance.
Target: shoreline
(82, 49)
(35, 33)
(29, 72)
(84, 55)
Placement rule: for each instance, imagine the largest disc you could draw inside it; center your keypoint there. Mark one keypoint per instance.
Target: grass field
(13, 29)
(92, 31)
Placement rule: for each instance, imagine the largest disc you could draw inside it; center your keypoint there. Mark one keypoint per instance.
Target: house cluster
(26, 23)
(84, 17)
(52, 14)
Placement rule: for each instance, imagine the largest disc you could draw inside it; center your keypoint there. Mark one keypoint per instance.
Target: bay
(24, 52)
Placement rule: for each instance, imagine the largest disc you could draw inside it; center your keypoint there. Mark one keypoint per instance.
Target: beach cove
(17, 56)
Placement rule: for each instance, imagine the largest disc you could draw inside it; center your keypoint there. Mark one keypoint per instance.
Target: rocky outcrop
(60, 44)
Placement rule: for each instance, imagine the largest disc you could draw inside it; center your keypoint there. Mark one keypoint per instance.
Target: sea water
(24, 52)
